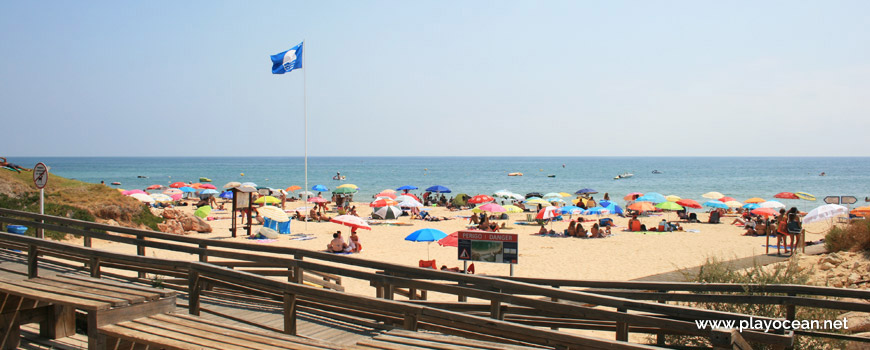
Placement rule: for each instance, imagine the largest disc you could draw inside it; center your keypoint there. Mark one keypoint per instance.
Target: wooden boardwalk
(14, 266)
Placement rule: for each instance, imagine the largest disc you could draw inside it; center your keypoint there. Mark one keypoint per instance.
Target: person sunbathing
(595, 232)
(493, 227)
(337, 244)
(634, 224)
(16, 167)
(572, 230)
(451, 269)
(580, 232)
(474, 219)
(355, 246)
(543, 230)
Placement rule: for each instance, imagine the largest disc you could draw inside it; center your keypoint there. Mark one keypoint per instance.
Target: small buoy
(425, 169)
(242, 174)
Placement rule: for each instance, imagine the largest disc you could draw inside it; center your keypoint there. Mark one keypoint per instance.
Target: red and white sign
(40, 175)
(487, 236)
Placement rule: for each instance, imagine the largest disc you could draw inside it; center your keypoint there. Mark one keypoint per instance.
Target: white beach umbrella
(733, 204)
(273, 213)
(713, 195)
(410, 203)
(232, 184)
(160, 197)
(772, 205)
(143, 197)
(825, 212)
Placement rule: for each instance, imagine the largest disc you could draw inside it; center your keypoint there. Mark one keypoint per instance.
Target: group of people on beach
(786, 226)
(338, 245)
(575, 229)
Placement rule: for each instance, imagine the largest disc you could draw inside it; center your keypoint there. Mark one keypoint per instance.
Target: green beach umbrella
(203, 211)
(344, 190)
(669, 206)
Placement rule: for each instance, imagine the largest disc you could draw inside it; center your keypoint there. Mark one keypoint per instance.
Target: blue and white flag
(287, 61)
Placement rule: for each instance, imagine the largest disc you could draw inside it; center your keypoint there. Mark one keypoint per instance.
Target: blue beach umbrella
(571, 209)
(427, 235)
(319, 188)
(187, 189)
(208, 192)
(751, 206)
(611, 207)
(586, 191)
(438, 189)
(226, 195)
(249, 184)
(596, 211)
(716, 204)
(651, 197)
(406, 187)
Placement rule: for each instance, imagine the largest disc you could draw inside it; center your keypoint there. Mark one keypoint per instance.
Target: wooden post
(233, 213)
(289, 313)
(462, 298)
(95, 267)
(60, 323)
(203, 257)
(555, 300)
(412, 293)
(250, 209)
(411, 321)
(140, 251)
(88, 241)
(297, 271)
(621, 328)
(495, 308)
(660, 336)
(32, 261)
(193, 290)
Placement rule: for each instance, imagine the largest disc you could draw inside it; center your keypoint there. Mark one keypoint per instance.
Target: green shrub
(30, 203)
(852, 237)
(716, 271)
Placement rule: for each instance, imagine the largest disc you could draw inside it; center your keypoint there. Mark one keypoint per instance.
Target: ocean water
(740, 178)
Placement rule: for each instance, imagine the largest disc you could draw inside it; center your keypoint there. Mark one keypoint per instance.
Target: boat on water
(656, 172)
(339, 177)
(204, 179)
(551, 175)
(142, 177)
(515, 174)
(624, 175)
(116, 183)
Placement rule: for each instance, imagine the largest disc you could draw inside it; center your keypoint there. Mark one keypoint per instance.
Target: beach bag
(794, 227)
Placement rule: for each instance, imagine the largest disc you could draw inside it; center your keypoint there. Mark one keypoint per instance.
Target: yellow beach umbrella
(538, 201)
(673, 198)
(755, 200)
(733, 204)
(349, 186)
(713, 195)
(267, 200)
(513, 209)
(565, 194)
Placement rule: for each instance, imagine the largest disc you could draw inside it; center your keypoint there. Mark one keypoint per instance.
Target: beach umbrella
(537, 201)
(209, 192)
(383, 202)
(712, 195)
(388, 190)
(428, 235)
(178, 184)
(247, 188)
(751, 206)
(308, 193)
(406, 188)
(351, 221)
(613, 208)
(154, 187)
(668, 205)
(805, 196)
(208, 186)
(632, 196)
(226, 195)
(142, 197)
(596, 211)
(196, 185)
(651, 197)
(586, 191)
(689, 203)
(131, 192)
(492, 208)
(513, 209)
(176, 196)
(552, 195)
(387, 213)
(754, 200)
(160, 197)
(571, 209)
(786, 195)
(311, 200)
(565, 194)
(452, 240)
(726, 199)
(293, 188)
(203, 211)
(344, 190)
(733, 204)
(764, 212)
(438, 189)
(348, 186)
(715, 204)
(861, 211)
(555, 200)
(251, 184)
(672, 198)
(405, 197)
(825, 212)
(385, 195)
(502, 194)
(273, 213)
(232, 184)
(410, 203)
(481, 198)
(187, 189)
(533, 194)
(267, 200)
(772, 204)
(319, 188)
(547, 213)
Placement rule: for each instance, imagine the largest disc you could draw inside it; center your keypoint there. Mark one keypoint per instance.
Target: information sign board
(486, 246)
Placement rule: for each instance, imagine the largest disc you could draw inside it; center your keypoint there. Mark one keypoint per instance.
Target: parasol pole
(305, 126)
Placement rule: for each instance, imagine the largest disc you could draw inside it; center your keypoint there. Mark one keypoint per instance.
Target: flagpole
(305, 126)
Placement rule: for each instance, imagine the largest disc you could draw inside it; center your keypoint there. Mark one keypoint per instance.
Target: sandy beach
(622, 256)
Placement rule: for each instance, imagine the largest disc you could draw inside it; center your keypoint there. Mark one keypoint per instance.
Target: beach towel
(692, 230)
(258, 239)
(648, 232)
(779, 247)
(342, 253)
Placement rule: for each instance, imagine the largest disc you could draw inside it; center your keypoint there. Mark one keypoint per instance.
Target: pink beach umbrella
(172, 191)
(131, 192)
(176, 196)
(208, 186)
(493, 208)
(317, 200)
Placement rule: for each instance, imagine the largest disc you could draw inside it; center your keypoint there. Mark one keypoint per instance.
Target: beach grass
(852, 237)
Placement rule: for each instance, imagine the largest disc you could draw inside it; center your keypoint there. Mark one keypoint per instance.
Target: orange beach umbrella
(642, 206)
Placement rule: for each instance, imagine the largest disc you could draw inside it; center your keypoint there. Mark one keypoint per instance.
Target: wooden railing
(507, 299)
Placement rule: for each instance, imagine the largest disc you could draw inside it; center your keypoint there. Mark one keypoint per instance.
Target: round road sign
(40, 175)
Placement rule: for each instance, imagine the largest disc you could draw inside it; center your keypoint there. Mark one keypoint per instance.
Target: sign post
(40, 178)
(485, 246)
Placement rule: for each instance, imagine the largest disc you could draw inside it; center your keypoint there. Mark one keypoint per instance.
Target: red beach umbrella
(786, 195)
(410, 195)
(632, 196)
(727, 199)
(383, 202)
(691, 203)
(547, 213)
(177, 184)
(481, 198)
(351, 221)
(452, 240)
(196, 185)
(208, 187)
(764, 212)
(386, 194)
(153, 187)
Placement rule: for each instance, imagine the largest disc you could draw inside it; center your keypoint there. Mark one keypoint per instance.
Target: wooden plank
(234, 336)
(107, 282)
(119, 294)
(136, 311)
(140, 337)
(402, 341)
(109, 288)
(376, 344)
(216, 335)
(456, 340)
(254, 333)
(36, 287)
(48, 297)
(198, 340)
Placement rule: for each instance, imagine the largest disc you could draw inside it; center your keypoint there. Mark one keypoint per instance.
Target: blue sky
(436, 78)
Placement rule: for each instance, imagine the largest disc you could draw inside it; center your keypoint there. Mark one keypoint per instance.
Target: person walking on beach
(781, 231)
